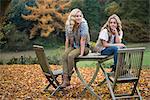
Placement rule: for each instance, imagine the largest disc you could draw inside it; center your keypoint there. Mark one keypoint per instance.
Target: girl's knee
(70, 56)
(64, 57)
(115, 49)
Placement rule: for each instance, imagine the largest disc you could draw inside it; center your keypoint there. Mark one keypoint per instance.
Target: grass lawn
(146, 60)
(59, 52)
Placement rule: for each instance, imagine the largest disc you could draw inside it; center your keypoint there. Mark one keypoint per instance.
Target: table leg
(92, 80)
(101, 83)
(87, 86)
(104, 81)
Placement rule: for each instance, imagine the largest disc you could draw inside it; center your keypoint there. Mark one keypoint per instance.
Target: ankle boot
(69, 76)
(66, 81)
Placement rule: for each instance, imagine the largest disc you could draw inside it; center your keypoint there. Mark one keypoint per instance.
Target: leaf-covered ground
(27, 82)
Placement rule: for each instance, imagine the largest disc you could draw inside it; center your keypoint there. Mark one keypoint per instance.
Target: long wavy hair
(71, 24)
(107, 26)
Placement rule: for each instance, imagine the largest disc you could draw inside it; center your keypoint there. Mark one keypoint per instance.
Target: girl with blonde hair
(110, 38)
(76, 43)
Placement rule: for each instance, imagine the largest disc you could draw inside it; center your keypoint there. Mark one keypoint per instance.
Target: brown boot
(66, 81)
(69, 76)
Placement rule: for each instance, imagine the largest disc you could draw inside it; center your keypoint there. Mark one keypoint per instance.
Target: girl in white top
(110, 38)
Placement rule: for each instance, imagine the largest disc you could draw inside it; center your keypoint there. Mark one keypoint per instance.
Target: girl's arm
(117, 39)
(66, 43)
(106, 44)
(82, 45)
(118, 36)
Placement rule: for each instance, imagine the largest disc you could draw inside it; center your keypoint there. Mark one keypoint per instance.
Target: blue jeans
(112, 50)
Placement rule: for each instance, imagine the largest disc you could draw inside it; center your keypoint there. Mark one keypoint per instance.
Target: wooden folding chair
(127, 71)
(49, 74)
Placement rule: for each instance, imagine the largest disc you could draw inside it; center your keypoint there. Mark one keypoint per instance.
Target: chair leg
(56, 80)
(51, 81)
(110, 79)
(134, 88)
(110, 87)
(56, 90)
(46, 88)
(138, 92)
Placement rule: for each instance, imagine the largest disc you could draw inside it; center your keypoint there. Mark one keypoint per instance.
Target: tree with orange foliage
(50, 16)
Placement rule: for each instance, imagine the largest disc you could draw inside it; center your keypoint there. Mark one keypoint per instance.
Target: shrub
(135, 32)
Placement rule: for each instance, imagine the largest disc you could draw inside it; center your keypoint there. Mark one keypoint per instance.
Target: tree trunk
(4, 5)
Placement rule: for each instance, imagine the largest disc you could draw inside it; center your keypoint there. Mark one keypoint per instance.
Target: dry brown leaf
(28, 82)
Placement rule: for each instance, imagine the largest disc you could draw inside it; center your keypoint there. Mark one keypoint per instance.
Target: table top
(93, 57)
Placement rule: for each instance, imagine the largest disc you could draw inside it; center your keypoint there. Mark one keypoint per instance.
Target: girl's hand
(80, 55)
(120, 45)
(65, 50)
(114, 30)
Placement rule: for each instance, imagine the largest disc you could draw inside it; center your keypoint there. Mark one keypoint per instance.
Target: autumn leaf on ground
(28, 82)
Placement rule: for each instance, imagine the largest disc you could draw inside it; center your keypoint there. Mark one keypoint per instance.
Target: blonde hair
(71, 24)
(119, 26)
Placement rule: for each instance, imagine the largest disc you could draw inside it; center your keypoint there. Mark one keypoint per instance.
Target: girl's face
(113, 24)
(78, 17)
